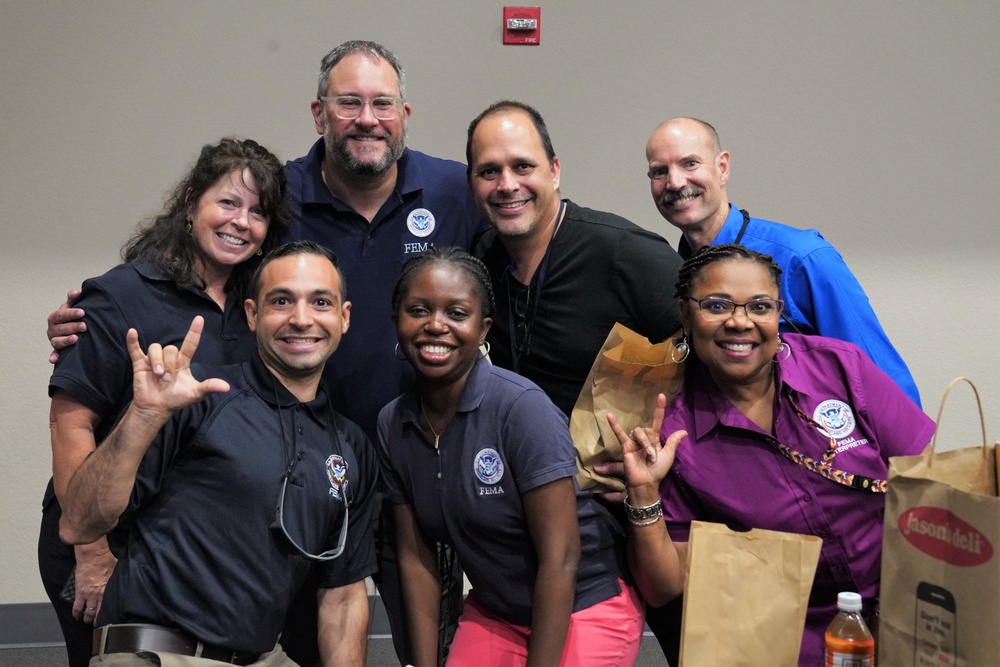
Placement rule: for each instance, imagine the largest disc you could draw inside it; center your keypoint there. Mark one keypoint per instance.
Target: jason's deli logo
(942, 535)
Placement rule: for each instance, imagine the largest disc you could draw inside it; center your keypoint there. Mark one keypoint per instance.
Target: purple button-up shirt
(728, 470)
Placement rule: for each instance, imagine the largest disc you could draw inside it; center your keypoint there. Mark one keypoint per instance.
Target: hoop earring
(486, 344)
(395, 353)
(681, 347)
(188, 226)
(782, 346)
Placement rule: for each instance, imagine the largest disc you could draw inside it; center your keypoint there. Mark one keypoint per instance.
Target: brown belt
(141, 638)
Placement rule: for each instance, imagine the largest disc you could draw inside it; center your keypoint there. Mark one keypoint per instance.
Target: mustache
(671, 196)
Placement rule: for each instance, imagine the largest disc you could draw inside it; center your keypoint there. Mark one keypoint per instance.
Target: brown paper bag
(746, 596)
(940, 597)
(625, 378)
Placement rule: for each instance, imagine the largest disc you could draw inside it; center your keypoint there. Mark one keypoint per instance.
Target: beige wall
(873, 122)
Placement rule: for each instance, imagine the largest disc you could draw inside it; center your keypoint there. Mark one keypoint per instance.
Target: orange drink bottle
(849, 643)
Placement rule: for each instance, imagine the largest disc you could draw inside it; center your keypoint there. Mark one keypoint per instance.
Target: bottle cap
(849, 601)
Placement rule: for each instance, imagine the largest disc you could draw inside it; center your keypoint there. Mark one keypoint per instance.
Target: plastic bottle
(849, 643)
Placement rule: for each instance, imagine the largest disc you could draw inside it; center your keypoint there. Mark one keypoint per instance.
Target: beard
(338, 151)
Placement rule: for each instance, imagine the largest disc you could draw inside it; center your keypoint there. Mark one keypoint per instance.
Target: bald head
(690, 126)
(688, 172)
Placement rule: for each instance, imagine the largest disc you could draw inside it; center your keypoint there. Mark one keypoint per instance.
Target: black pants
(56, 564)
(665, 622)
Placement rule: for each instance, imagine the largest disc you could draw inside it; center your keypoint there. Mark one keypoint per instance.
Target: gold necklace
(437, 436)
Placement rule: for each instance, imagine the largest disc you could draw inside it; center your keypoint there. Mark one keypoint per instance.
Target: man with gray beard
(362, 193)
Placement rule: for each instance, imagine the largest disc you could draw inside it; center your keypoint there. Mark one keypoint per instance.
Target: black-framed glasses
(327, 555)
(720, 308)
(522, 329)
(349, 107)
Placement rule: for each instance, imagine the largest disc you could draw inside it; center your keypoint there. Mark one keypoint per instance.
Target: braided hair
(710, 254)
(457, 257)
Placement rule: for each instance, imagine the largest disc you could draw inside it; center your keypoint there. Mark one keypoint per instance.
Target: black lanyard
(534, 288)
(743, 228)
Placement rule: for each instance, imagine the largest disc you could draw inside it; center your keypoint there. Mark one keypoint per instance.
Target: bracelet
(648, 522)
(639, 514)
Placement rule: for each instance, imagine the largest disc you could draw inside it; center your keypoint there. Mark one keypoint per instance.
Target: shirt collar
(726, 235)
(271, 391)
(711, 408)
(147, 267)
(409, 177)
(472, 394)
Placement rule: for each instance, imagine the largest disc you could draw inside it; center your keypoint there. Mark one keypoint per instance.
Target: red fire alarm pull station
(522, 25)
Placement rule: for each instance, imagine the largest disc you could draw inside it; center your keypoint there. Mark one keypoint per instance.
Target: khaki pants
(275, 658)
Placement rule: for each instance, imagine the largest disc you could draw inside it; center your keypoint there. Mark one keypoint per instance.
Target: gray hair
(373, 50)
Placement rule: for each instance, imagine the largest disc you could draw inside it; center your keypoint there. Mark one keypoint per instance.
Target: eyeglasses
(719, 308)
(329, 554)
(349, 107)
(522, 329)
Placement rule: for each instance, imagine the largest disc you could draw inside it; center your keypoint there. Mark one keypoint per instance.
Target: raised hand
(647, 460)
(162, 382)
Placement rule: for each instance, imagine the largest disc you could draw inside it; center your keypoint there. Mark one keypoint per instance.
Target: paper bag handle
(979, 404)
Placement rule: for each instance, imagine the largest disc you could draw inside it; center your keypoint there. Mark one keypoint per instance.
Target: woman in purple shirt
(790, 433)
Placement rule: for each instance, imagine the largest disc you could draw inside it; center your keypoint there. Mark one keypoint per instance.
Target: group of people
(221, 505)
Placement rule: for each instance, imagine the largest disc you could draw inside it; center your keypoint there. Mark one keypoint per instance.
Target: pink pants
(607, 634)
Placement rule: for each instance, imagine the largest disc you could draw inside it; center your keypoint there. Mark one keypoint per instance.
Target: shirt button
(807, 498)
(439, 475)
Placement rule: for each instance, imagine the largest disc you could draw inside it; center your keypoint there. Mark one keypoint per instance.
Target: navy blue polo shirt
(202, 555)
(97, 371)
(430, 205)
(506, 438)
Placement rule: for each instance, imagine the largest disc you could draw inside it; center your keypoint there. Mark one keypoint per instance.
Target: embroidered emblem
(836, 419)
(336, 470)
(420, 222)
(488, 466)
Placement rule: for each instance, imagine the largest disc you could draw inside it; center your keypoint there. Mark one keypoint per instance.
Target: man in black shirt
(232, 483)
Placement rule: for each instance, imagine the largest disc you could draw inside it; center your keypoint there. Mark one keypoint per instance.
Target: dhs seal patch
(836, 419)
(420, 222)
(336, 471)
(488, 466)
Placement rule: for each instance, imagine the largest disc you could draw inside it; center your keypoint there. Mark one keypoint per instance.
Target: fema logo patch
(488, 466)
(836, 419)
(420, 222)
(336, 471)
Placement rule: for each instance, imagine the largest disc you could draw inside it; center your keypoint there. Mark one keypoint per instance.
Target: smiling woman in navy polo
(194, 258)
(479, 458)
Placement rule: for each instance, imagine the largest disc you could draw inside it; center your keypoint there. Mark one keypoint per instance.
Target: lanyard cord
(534, 286)
(824, 467)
